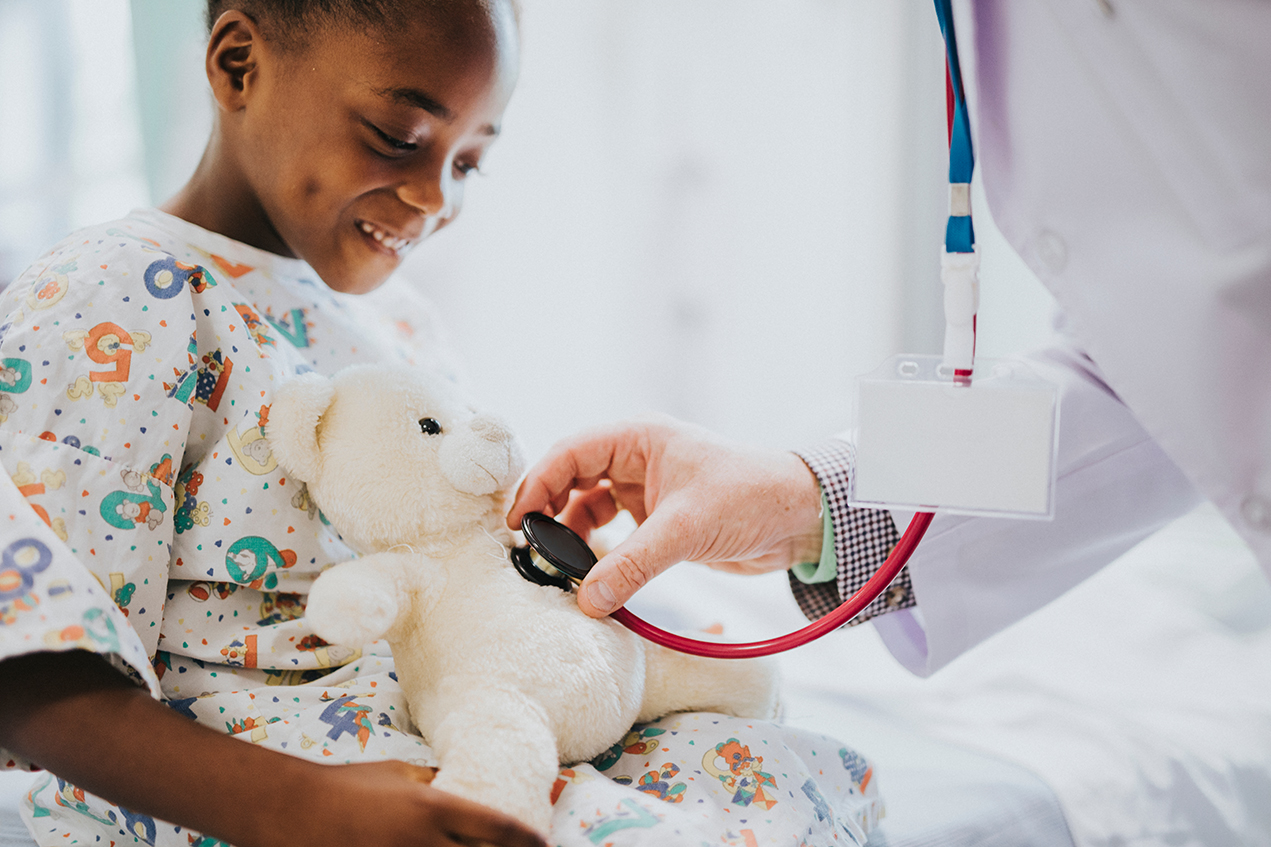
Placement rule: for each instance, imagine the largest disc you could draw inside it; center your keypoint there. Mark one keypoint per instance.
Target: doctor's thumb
(628, 567)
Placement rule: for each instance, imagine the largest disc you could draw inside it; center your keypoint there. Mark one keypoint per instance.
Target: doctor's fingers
(620, 452)
(589, 509)
(595, 507)
(548, 485)
(670, 535)
(777, 561)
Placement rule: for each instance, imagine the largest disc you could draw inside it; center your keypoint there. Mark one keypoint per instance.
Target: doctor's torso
(1125, 149)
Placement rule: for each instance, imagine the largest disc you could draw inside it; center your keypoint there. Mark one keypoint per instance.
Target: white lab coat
(1125, 149)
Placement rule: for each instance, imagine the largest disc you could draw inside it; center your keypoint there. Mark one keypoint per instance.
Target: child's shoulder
(138, 235)
(146, 251)
(101, 254)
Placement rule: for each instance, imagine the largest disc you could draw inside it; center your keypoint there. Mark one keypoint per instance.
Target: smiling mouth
(389, 243)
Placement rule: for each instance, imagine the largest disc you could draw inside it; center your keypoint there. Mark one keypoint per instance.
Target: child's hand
(386, 804)
(80, 718)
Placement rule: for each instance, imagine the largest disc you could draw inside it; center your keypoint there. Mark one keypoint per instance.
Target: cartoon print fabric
(707, 779)
(149, 522)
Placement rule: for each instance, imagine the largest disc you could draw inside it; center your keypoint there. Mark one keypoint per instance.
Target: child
(137, 364)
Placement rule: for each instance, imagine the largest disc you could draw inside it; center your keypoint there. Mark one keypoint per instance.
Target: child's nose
(427, 190)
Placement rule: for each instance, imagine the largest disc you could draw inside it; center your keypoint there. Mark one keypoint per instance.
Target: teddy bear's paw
(758, 686)
(515, 799)
(676, 682)
(345, 609)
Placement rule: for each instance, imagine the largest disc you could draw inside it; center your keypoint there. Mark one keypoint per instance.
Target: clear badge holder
(925, 442)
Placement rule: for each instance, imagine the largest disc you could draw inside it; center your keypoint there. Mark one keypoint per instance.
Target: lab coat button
(1051, 250)
(1257, 512)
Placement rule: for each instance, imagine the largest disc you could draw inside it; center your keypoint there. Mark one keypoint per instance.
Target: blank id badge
(925, 443)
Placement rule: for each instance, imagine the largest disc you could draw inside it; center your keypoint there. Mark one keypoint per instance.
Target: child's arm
(80, 718)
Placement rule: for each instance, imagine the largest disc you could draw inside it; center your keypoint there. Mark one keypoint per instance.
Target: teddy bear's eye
(429, 426)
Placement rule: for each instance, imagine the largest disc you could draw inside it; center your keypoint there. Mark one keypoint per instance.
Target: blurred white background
(720, 209)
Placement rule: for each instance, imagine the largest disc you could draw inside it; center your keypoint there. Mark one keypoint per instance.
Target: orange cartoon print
(741, 773)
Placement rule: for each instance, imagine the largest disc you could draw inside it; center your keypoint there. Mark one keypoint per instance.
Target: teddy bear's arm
(357, 602)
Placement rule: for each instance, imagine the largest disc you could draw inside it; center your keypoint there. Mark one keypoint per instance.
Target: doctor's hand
(694, 495)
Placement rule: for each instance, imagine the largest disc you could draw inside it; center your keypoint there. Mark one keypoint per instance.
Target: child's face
(356, 147)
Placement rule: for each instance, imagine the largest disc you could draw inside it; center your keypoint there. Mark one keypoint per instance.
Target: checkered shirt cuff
(862, 540)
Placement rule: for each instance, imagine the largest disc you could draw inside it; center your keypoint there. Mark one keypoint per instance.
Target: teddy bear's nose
(491, 429)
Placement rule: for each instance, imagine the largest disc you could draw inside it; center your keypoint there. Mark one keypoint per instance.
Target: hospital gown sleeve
(49, 602)
(972, 576)
(89, 443)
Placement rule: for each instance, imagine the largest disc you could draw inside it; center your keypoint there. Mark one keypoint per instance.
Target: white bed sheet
(13, 784)
(938, 794)
(1142, 698)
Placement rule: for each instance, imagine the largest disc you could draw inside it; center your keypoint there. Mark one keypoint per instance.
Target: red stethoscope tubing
(851, 607)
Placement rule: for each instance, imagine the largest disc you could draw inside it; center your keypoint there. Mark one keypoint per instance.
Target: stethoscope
(559, 557)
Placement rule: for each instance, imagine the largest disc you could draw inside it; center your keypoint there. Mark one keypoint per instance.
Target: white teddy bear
(494, 667)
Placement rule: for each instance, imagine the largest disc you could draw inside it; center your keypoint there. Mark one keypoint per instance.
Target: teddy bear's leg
(496, 746)
(355, 602)
(677, 682)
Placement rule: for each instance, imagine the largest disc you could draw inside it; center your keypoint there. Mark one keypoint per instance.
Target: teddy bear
(494, 667)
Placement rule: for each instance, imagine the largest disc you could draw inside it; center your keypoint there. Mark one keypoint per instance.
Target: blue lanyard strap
(959, 235)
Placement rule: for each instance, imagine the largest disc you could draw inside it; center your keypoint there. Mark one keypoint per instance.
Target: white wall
(693, 209)
(70, 144)
(720, 209)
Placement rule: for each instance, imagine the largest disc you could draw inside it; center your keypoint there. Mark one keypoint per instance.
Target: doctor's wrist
(862, 539)
(807, 517)
(813, 566)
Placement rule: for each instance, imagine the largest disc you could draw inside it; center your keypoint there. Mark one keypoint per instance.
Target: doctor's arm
(700, 498)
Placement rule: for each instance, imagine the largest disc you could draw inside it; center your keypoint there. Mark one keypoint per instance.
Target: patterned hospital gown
(147, 521)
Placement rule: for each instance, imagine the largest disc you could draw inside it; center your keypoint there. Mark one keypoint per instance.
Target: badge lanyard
(959, 235)
(960, 267)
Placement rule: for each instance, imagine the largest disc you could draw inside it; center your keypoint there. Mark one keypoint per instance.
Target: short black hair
(289, 21)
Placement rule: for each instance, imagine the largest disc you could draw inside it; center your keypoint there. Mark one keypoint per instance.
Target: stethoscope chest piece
(556, 555)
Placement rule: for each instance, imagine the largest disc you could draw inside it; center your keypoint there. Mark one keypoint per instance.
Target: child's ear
(292, 429)
(233, 51)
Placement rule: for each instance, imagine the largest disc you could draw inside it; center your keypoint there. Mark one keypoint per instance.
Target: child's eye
(396, 143)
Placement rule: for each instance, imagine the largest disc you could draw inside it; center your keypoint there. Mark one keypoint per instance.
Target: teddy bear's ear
(292, 429)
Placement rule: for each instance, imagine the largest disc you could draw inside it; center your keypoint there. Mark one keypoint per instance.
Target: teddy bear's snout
(483, 459)
(491, 429)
